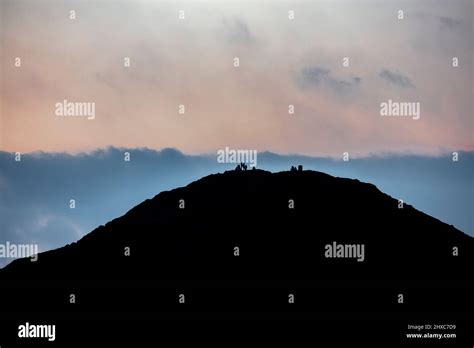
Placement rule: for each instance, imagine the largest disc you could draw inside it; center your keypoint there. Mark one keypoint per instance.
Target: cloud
(396, 78)
(449, 22)
(190, 62)
(236, 31)
(316, 76)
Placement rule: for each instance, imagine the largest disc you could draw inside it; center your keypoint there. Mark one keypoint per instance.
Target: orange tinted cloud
(190, 62)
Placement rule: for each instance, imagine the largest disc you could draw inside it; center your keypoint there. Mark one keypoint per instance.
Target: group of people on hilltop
(295, 169)
(241, 166)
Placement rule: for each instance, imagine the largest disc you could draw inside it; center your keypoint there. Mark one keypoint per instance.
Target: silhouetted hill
(250, 210)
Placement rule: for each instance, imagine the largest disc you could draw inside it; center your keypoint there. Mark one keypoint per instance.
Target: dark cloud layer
(316, 76)
(396, 78)
(449, 22)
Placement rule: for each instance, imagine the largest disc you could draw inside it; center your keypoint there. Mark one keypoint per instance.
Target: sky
(291, 55)
(283, 62)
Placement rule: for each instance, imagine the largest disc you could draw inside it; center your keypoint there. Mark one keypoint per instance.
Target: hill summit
(256, 224)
